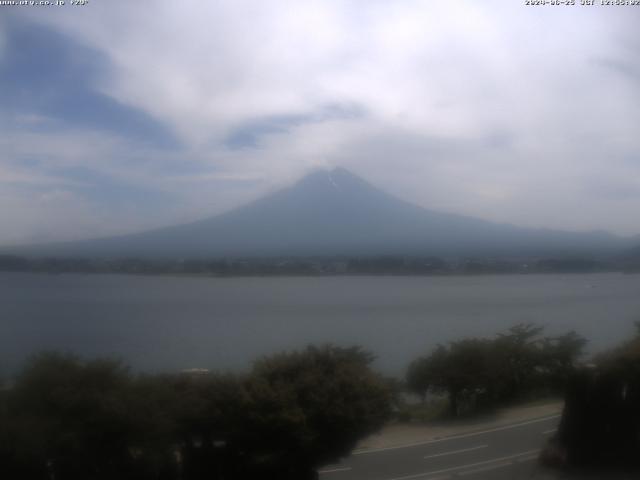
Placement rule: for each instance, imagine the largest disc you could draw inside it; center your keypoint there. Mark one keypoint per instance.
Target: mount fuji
(334, 212)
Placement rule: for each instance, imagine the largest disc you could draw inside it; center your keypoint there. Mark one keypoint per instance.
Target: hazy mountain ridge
(337, 213)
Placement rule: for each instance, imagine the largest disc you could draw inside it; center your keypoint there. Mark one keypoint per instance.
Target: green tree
(314, 405)
(461, 370)
(600, 423)
(71, 419)
(418, 377)
(559, 356)
(516, 359)
(476, 371)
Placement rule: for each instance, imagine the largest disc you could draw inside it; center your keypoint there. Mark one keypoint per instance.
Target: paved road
(505, 452)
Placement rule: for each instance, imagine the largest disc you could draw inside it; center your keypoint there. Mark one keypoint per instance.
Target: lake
(169, 323)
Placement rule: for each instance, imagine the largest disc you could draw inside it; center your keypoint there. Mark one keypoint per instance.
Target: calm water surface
(172, 323)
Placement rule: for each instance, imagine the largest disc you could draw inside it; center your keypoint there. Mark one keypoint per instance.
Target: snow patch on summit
(333, 182)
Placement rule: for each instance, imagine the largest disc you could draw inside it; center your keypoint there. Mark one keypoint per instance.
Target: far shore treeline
(338, 265)
(67, 418)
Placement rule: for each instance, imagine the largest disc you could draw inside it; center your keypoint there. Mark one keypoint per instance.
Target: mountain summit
(334, 212)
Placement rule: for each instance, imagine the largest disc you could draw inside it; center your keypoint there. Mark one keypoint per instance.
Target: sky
(120, 116)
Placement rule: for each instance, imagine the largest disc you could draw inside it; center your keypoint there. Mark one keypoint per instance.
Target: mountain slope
(337, 213)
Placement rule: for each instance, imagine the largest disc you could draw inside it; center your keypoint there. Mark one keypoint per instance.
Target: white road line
(500, 460)
(549, 432)
(453, 452)
(334, 470)
(528, 458)
(487, 468)
(455, 437)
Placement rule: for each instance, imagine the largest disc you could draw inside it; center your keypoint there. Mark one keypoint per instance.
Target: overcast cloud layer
(120, 116)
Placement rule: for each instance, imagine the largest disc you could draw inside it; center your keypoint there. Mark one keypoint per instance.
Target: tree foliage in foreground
(474, 372)
(69, 419)
(600, 424)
